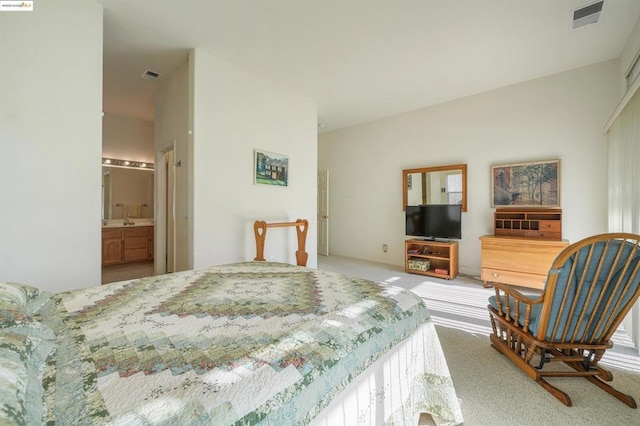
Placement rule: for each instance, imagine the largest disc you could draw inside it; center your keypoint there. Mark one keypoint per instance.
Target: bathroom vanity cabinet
(127, 244)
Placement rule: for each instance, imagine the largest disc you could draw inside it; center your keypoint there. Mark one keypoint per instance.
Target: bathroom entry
(127, 223)
(165, 261)
(170, 210)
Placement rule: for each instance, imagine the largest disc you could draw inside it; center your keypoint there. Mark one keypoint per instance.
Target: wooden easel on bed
(260, 231)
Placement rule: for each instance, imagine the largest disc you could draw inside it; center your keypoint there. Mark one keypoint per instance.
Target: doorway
(165, 217)
(169, 207)
(323, 212)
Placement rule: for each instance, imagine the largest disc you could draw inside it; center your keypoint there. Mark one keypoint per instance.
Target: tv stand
(440, 240)
(431, 257)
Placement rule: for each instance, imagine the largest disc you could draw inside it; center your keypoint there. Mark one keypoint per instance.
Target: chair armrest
(511, 291)
(509, 303)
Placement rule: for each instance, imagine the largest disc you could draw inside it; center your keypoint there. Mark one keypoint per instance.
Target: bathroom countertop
(121, 225)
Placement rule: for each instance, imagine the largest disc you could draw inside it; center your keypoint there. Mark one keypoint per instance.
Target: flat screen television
(434, 221)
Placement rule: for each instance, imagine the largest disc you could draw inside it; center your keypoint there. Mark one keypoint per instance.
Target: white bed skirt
(411, 379)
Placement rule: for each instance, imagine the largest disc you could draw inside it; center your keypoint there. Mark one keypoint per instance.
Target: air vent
(586, 15)
(150, 75)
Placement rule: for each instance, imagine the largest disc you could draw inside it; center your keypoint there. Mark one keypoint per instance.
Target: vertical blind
(624, 169)
(624, 186)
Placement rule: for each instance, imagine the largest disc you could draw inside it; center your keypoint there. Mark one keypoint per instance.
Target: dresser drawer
(518, 255)
(136, 255)
(544, 234)
(142, 231)
(514, 278)
(511, 232)
(519, 261)
(108, 234)
(131, 243)
(550, 225)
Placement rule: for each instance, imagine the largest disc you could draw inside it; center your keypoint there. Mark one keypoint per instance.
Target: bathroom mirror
(435, 185)
(126, 192)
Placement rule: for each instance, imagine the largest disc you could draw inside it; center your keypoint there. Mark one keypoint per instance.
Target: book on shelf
(441, 271)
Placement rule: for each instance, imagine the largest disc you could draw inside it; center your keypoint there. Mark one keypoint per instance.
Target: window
(454, 188)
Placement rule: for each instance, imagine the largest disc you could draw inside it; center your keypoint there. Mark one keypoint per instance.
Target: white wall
(50, 145)
(127, 138)
(560, 116)
(236, 112)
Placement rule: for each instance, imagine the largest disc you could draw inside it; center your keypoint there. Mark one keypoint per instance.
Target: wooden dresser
(518, 261)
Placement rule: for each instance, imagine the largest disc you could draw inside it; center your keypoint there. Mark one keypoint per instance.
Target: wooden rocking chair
(590, 287)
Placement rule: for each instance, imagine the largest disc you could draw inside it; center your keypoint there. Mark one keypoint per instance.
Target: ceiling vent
(586, 15)
(150, 75)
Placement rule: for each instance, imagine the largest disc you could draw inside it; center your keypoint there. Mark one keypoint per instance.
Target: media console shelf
(433, 258)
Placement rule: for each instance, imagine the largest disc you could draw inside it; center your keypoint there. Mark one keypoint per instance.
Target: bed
(245, 343)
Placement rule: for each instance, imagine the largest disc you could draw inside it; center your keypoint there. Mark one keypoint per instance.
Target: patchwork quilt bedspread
(247, 343)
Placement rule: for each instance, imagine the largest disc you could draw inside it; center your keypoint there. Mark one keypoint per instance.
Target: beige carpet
(491, 389)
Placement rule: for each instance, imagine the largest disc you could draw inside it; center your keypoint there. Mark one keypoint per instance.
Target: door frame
(160, 239)
(323, 216)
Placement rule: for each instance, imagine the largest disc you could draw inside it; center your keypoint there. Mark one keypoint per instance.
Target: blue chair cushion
(585, 304)
(596, 299)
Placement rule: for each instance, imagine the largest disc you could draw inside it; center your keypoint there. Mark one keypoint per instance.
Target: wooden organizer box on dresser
(433, 258)
(525, 243)
(529, 223)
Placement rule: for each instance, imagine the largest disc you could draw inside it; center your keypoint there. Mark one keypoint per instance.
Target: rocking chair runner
(591, 286)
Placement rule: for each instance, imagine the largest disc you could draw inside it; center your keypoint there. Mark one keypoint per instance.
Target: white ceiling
(359, 59)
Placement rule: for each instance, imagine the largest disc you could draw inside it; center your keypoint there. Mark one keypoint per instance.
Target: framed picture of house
(270, 168)
(534, 184)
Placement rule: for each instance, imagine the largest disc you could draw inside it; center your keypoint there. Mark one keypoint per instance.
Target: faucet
(128, 221)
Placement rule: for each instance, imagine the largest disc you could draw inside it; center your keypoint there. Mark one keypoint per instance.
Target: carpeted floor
(491, 389)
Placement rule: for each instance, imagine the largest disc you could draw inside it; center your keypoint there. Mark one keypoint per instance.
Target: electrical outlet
(385, 248)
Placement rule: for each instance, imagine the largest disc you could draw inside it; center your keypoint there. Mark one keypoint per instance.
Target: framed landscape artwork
(270, 169)
(534, 184)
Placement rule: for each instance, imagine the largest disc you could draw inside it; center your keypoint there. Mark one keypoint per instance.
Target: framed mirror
(435, 185)
(125, 187)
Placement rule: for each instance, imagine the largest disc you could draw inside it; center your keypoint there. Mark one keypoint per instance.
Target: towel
(132, 211)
